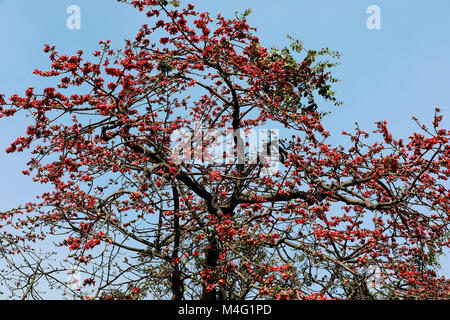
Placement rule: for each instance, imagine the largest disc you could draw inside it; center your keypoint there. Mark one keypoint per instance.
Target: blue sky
(389, 74)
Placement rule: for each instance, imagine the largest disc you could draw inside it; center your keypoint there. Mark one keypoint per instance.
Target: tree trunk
(212, 257)
(176, 279)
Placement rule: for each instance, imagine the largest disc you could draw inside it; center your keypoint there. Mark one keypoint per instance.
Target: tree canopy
(140, 223)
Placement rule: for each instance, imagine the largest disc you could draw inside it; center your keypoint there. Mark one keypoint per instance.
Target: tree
(144, 217)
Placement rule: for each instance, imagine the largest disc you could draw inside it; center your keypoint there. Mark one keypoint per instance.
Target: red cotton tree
(367, 221)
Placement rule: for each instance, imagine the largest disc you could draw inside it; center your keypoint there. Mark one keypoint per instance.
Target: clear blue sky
(389, 74)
